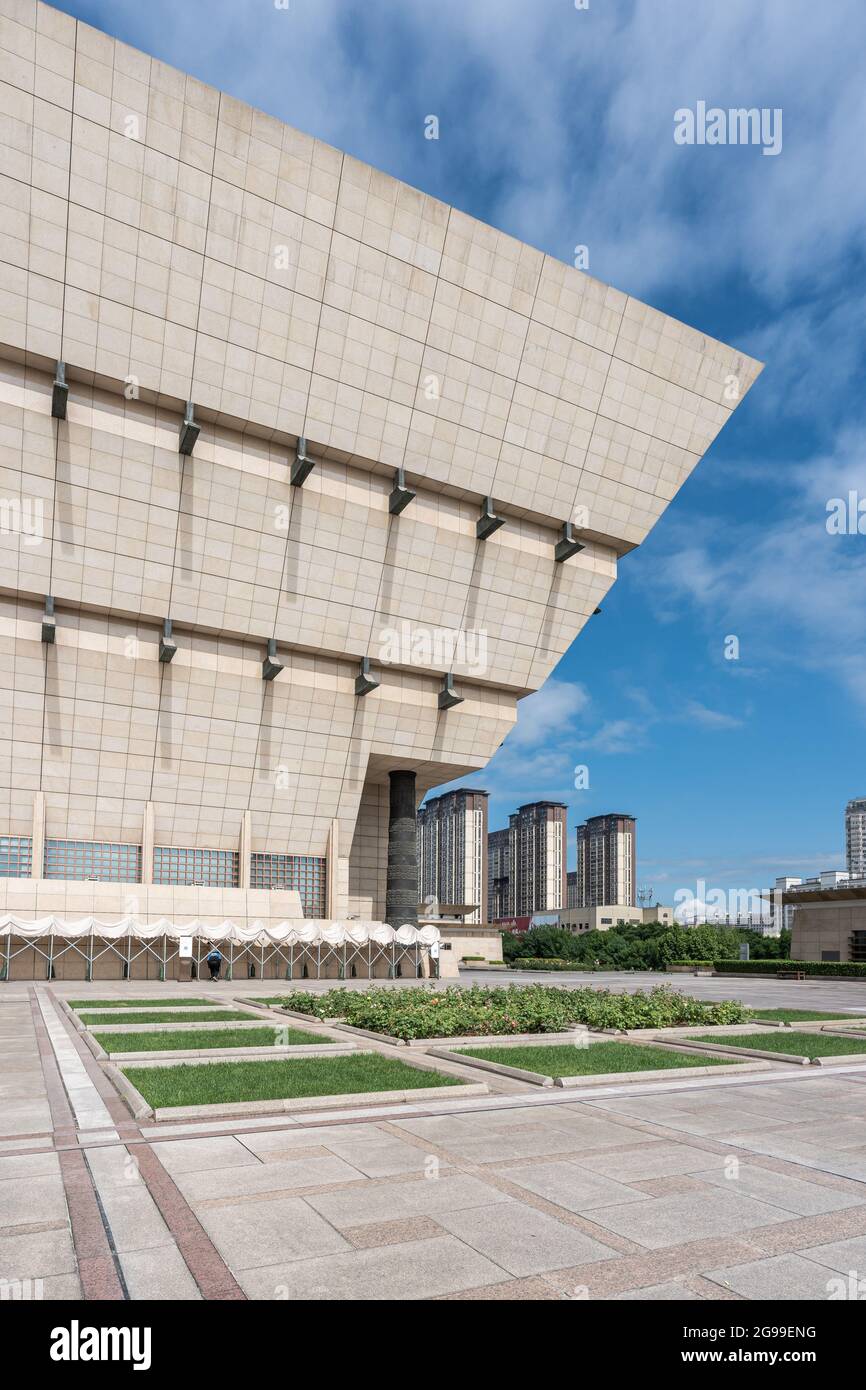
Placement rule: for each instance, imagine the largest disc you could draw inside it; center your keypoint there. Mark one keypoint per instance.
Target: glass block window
(15, 856)
(211, 868)
(93, 859)
(304, 873)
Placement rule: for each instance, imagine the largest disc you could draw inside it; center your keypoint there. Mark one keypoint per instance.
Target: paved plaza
(694, 1188)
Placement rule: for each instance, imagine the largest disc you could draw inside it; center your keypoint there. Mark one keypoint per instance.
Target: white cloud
(696, 713)
(550, 712)
(788, 590)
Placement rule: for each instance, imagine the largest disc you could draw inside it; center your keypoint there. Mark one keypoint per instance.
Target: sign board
(184, 948)
(512, 924)
(744, 950)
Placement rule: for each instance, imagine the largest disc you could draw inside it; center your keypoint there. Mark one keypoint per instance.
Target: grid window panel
(305, 873)
(16, 856)
(211, 868)
(93, 859)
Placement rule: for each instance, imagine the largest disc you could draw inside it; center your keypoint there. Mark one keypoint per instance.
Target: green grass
(226, 1082)
(206, 1016)
(138, 1003)
(563, 1059)
(175, 1040)
(801, 1044)
(796, 1015)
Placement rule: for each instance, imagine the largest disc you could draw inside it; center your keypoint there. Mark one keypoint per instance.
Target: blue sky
(556, 124)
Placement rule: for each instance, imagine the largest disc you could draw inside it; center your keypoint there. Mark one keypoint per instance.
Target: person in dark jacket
(214, 961)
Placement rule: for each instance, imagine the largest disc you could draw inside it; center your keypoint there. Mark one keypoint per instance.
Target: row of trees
(648, 946)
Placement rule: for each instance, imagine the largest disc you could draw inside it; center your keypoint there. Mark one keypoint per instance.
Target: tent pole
(51, 955)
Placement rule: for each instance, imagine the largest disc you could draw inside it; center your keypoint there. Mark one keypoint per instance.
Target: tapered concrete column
(401, 889)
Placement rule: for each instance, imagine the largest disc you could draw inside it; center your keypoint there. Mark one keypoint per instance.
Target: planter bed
(167, 1011)
(225, 1086)
(798, 1047)
(244, 1021)
(565, 1064)
(204, 1016)
(503, 1039)
(174, 1040)
(799, 1016)
(336, 1102)
(220, 1054)
(687, 1032)
(169, 1002)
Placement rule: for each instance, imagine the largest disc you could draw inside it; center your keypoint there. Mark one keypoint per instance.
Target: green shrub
(640, 946)
(493, 1010)
(809, 967)
(540, 963)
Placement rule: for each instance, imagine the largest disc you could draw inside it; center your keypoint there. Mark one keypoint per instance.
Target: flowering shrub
(488, 1010)
(329, 1005)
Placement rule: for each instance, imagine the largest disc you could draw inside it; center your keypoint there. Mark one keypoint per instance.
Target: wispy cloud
(785, 587)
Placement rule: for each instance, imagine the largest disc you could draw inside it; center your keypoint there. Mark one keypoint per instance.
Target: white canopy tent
(315, 948)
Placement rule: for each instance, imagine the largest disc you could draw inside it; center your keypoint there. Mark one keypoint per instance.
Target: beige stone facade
(830, 931)
(170, 244)
(477, 945)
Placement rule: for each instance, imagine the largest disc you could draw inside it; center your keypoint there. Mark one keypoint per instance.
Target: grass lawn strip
(163, 1003)
(798, 1044)
(176, 1041)
(206, 1016)
(290, 1079)
(563, 1059)
(796, 1015)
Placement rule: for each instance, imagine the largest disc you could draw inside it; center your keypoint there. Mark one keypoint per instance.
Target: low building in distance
(603, 917)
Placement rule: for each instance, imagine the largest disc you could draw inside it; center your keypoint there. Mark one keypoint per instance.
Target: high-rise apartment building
(606, 860)
(855, 837)
(452, 851)
(498, 873)
(571, 889)
(537, 858)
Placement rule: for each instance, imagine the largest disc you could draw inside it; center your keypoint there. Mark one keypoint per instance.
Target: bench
(791, 975)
